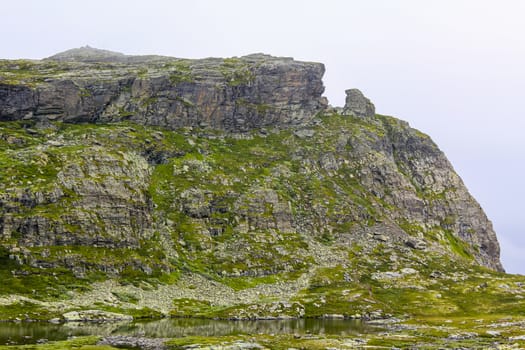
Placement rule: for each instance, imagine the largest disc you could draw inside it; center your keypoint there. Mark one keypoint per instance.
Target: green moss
(142, 72)
(24, 310)
(457, 245)
(126, 297)
(77, 343)
(180, 72)
(236, 72)
(85, 93)
(183, 342)
(125, 113)
(137, 313)
(229, 233)
(191, 308)
(413, 229)
(28, 73)
(149, 101)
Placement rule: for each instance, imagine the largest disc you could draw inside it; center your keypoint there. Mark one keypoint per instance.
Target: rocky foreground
(136, 187)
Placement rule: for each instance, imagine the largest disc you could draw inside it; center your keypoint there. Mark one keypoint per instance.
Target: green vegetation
(80, 343)
(236, 72)
(316, 221)
(180, 72)
(23, 311)
(28, 73)
(306, 216)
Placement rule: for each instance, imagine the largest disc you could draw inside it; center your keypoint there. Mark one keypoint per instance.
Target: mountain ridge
(216, 181)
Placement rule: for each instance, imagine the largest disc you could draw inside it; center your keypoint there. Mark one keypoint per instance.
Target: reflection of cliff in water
(170, 328)
(30, 333)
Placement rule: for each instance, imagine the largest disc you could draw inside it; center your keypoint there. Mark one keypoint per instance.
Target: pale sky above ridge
(455, 69)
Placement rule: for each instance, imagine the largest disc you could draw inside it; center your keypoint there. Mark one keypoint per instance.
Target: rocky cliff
(236, 94)
(220, 173)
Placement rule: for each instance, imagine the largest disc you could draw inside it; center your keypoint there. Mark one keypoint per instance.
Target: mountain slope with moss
(304, 211)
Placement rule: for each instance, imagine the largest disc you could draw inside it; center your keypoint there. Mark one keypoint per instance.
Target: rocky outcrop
(94, 316)
(358, 105)
(237, 94)
(414, 176)
(97, 199)
(121, 341)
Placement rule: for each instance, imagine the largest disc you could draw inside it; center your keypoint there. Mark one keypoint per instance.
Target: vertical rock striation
(236, 94)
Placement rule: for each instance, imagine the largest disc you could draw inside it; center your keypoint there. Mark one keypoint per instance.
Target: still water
(30, 333)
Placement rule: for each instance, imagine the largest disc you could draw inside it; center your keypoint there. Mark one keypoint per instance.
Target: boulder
(94, 316)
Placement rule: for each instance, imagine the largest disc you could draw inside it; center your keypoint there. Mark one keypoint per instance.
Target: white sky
(455, 69)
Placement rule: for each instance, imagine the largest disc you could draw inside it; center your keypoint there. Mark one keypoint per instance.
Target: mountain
(87, 54)
(225, 188)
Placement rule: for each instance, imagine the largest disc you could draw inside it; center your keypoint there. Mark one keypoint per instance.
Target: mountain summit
(87, 54)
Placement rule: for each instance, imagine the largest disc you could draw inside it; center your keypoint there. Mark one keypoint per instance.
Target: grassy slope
(221, 166)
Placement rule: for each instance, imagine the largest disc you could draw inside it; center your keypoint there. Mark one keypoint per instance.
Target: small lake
(33, 332)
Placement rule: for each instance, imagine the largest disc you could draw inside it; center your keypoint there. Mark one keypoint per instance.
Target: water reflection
(30, 333)
(170, 328)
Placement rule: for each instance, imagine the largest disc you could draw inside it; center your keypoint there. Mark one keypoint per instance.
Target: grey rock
(416, 244)
(493, 333)
(408, 271)
(304, 133)
(436, 274)
(94, 315)
(237, 94)
(381, 237)
(334, 316)
(357, 104)
(121, 341)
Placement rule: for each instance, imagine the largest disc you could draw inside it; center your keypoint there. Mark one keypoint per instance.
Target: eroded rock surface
(358, 105)
(235, 94)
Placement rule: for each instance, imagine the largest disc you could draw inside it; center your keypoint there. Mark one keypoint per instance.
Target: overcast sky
(454, 69)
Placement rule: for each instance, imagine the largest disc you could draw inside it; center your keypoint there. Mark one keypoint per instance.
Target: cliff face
(236, 94)
(234, 169)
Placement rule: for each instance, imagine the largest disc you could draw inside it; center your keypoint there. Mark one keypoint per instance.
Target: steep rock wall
(235, 94)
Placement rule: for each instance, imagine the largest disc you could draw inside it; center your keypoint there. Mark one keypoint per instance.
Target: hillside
(228, 188)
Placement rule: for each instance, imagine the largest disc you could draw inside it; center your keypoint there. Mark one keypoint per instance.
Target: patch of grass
(126, 297)
(23, 310)
(181, 343)
(457, 245)
(27, 72)
(236, 72)
(137, 313)
(77, 343)
(192, 308)
(44, 284)
(180, 72)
